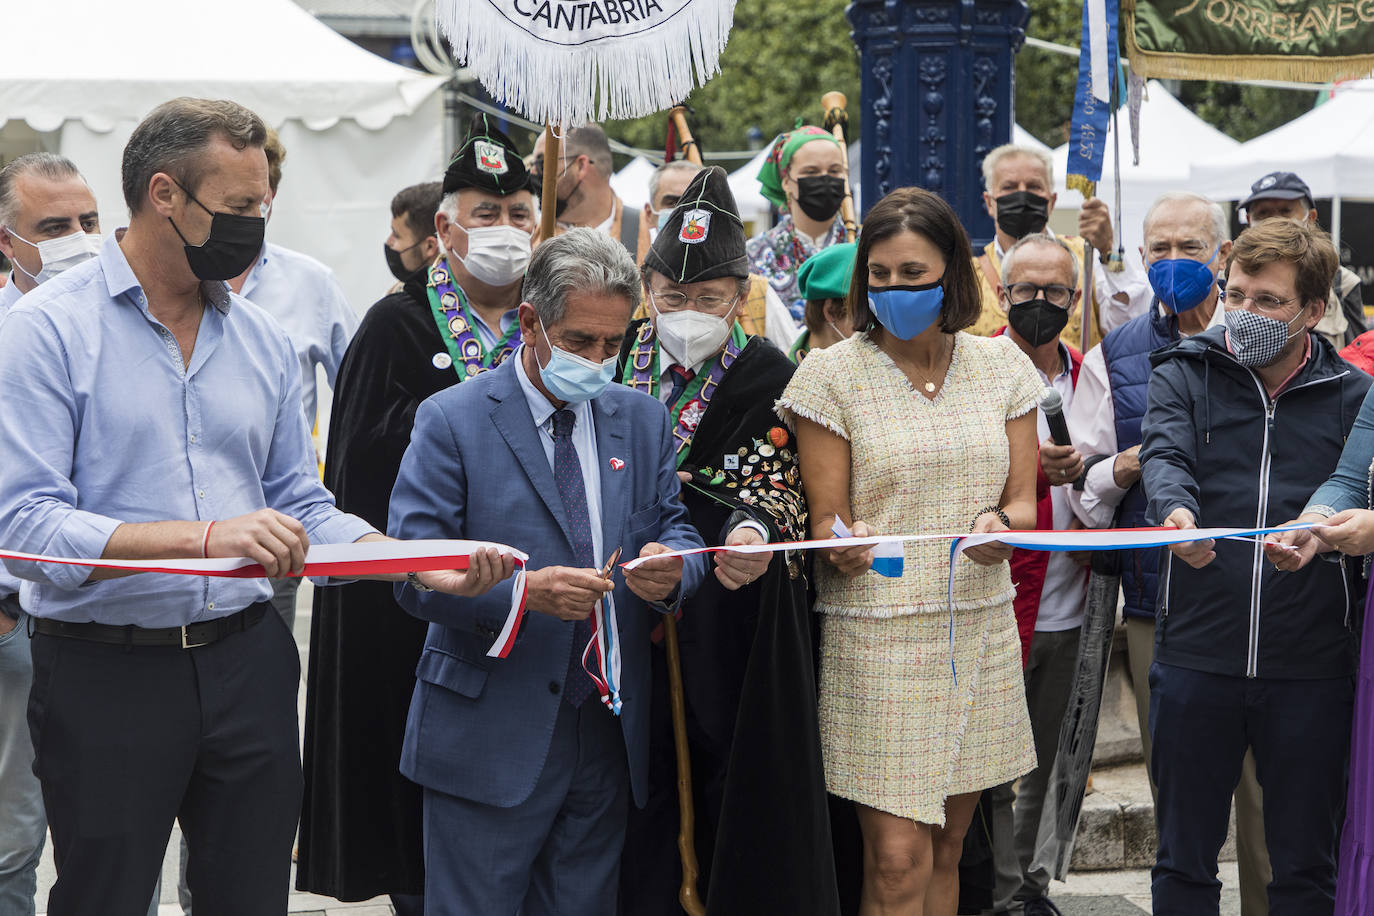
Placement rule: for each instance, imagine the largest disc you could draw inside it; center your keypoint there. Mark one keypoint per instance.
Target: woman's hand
(852, 562)
(993, 552)
(1351, 532)
(1290, 551)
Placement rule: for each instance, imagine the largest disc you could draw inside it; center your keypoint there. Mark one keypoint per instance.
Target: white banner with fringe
(567, 62)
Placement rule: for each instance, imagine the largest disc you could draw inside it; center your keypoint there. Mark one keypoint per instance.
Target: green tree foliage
(1045, 85)
(1244, 112)
(782, 57)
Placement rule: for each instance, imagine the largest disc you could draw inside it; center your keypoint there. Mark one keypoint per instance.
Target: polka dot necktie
(567, 473)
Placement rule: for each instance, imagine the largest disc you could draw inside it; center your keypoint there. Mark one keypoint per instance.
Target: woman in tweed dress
(910, 426)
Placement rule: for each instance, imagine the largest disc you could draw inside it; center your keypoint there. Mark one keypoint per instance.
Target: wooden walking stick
(686, 835)
(687, 895)
(836, 121)
(690, 150)
(548, 199)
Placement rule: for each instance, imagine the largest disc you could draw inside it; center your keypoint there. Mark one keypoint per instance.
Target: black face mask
(233, 245)
(820, 196)
(1021, 213)
(394, 264)
(1037, 321)
(561, 203)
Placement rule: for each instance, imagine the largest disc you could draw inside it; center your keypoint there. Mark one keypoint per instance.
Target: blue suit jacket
(479, 728)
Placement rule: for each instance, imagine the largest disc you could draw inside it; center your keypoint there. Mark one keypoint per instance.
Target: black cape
(763, 834)
(360, 818)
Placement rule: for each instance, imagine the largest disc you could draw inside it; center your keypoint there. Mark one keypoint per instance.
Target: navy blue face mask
(1182, 283)
(907, 311)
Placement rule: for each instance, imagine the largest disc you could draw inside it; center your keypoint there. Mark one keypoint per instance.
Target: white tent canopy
(631, 184)
(1331, 148)
(356, 128)
(1171, 138)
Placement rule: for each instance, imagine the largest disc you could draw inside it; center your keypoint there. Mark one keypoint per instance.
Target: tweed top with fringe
(918, 465)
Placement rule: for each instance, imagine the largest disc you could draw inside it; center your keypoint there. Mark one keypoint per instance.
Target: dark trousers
(127, 739)
(557, 853)
(1299, 732)
(651, 869)
(1049, 674)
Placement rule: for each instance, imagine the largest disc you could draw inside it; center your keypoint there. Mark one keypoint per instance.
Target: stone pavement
(1117, 835)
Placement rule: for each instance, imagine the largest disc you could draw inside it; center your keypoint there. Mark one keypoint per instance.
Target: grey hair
(1216, 215)
(173, 137)
(44, 165)
(579, 260)
(448, 205)
(677, 165)
(1006, 151)
(1039, 238)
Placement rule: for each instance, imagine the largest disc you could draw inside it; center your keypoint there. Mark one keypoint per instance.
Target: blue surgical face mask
(663, 217)
(1182, 283)
(907, 311)
(574, 378)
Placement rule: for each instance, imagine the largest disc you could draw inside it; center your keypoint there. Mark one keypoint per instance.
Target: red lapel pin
(617, 464)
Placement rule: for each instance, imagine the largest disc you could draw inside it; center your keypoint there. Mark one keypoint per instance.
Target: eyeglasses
(673, 301)
(1054, 294)
(1236, 299)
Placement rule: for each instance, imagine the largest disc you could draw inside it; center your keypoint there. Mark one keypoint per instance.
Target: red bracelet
(205, 541)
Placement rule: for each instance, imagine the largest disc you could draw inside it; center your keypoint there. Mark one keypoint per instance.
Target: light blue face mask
(906, 311)
(663, 217)
(573, 378)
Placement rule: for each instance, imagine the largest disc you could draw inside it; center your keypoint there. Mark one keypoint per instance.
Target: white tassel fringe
(538, 71)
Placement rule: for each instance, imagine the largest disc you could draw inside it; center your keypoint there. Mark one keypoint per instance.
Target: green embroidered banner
(1301, 40)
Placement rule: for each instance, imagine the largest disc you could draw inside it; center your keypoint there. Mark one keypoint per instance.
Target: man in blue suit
(526, 775)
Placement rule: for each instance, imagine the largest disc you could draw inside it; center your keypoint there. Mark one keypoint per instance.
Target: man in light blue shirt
(48, 222)
(161, 418)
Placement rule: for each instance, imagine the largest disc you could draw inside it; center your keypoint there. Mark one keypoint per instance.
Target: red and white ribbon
(343, 561)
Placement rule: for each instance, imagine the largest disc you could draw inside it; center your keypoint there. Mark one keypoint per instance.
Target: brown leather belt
(186, 637)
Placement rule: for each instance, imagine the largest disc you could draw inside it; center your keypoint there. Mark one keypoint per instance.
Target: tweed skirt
(897, 733)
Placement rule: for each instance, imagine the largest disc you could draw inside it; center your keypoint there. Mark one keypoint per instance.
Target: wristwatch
(414, 579)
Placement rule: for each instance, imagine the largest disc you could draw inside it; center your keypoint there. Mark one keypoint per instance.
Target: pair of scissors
(610, 565)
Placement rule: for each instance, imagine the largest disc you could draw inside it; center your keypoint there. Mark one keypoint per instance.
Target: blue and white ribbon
(1097, 68)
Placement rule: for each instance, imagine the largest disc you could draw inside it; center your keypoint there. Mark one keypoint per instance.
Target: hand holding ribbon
(735, 569)
(651, 576)
(1351, 532)
(486, 567)
(566, 593)
(850, 560)
(988, 553)
(1196, 554)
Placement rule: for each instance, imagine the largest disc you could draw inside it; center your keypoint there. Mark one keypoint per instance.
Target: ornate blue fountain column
(936, 85)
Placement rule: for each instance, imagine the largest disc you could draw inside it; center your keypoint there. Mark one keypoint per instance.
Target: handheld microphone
(1052, 406)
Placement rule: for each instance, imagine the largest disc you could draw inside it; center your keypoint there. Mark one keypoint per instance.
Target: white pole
(1336, 223)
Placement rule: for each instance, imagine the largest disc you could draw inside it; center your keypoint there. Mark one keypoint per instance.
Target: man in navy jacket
(1243, 423)
(526, 774)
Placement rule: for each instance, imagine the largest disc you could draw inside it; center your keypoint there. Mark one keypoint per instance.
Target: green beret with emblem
(488, 161)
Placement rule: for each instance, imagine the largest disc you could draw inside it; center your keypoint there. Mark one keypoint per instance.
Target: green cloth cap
(780, 157)
(826, 274)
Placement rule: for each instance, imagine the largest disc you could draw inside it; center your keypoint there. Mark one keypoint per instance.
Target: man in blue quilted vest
(1186, 249)
(1186, 246)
